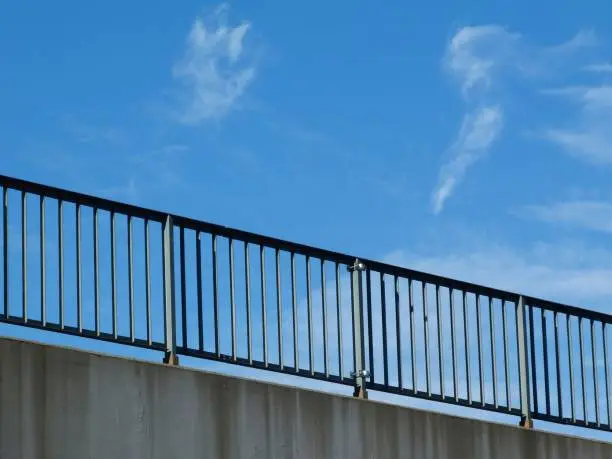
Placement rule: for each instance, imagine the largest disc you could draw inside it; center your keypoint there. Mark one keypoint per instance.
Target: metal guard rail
(181, 286)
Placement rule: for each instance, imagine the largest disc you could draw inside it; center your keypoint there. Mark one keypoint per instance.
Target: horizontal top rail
(80, 198)
(302, 249)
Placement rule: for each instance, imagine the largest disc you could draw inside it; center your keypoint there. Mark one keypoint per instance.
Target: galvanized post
(525, 393)
(360, 374)
(170, 356)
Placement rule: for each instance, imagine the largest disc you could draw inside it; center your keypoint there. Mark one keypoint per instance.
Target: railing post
(170, 356)
(360, 374)
(525, 393)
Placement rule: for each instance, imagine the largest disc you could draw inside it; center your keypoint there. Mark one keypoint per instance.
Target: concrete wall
(59, 403)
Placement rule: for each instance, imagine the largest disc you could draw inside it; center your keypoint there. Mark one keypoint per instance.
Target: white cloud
(85, 132)
(596, 100)
(593, 145)
(590, 137)
(599, 68)
(475, 53)
(593, 215)
(129, 191)
(563, 272)
(484, 59)
(213, 70)
(583, 39)
(479, 130)
(473, 56)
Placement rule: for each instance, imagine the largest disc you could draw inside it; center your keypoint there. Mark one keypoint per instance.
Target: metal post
(360, 374)
(170, 356)
(526, 420)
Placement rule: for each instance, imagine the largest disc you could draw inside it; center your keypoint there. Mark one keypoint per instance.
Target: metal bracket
(360, 383)
(360, 374)
(526, 423)
(170, 358)
(357, 266)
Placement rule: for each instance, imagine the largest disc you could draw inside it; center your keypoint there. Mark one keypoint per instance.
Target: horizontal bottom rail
(444, 399)
(82, 333)
(258, 365)
(570, 422)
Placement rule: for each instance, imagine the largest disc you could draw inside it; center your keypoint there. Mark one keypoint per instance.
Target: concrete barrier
(59, 403)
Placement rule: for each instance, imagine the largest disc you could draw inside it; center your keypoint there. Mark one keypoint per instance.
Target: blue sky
(333, 127)
(463, 139)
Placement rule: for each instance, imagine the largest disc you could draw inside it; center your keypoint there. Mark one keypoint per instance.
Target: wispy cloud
(592, 215)
(605, 67)
(214, 70)
(129, 191)
(483, 59)
(86, 132)
(474, 55)
(565, 272)
(593, 144)
(583, 39)
(164, 165)
(479, 130)
(590, 137)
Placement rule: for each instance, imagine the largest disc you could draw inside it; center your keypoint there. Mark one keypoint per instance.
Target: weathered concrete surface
(60, 403)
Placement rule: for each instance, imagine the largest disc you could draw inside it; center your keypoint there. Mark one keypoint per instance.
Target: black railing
(91, 267)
